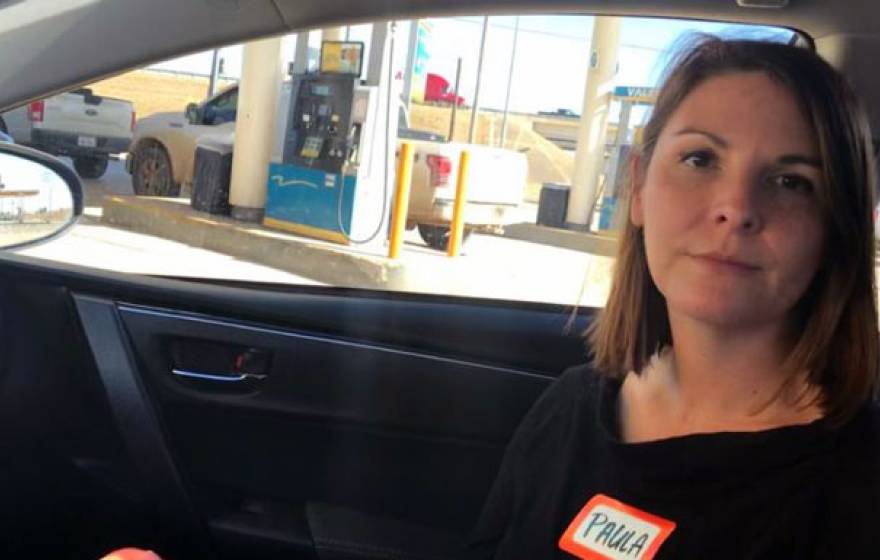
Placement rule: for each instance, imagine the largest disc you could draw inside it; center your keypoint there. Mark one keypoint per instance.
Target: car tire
(437, 237)
(3, 128)
(152, 174)
(90, 167)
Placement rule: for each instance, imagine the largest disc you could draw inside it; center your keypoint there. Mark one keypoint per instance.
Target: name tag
(609, 529)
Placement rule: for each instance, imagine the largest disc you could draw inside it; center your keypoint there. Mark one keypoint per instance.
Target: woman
(727, 409)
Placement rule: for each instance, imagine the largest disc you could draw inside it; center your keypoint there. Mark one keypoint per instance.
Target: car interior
(228, 419)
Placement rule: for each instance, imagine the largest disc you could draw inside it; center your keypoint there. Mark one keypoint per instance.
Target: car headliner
(50, 46)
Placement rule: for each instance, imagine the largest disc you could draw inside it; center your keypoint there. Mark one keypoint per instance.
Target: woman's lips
(724, 263)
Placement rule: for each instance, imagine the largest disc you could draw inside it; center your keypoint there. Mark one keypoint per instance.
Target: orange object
(401, 200)
(608, 528)
(456, 228)
(132, 554)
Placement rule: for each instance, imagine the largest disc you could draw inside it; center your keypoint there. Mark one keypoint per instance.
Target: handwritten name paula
(614, 535)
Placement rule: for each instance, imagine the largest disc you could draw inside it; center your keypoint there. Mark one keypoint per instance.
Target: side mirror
(192, 113)
(40, 196)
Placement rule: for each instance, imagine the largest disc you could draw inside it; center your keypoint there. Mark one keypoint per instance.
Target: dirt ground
(153, 92)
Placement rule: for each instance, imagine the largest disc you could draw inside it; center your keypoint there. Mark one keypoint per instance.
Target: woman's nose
(737, 205)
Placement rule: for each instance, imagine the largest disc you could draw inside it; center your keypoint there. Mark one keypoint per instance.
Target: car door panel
(380, 415)
(314, 375)
(382, 431)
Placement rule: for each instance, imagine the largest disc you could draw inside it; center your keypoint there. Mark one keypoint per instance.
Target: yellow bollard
(401, 200)
(456, 228)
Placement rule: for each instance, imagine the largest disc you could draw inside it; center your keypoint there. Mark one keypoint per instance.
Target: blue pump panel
(309, 197)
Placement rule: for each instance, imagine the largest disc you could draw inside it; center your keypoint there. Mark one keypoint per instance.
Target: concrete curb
(322, 261)
(604, 245)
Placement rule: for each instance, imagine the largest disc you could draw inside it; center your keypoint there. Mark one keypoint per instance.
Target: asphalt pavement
(89, 243)
(491, 266)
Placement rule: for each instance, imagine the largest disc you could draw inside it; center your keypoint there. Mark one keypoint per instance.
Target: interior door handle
(218, 362)
(231, 378)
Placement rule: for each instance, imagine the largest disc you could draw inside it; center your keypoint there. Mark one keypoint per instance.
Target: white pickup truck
(496, 181)
(82, 125)
(164, 145)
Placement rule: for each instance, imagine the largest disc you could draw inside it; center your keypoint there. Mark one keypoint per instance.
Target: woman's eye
(699, 159)
(793, 183)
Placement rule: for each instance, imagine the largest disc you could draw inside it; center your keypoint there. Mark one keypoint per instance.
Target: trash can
(211, 174)
(553, 205)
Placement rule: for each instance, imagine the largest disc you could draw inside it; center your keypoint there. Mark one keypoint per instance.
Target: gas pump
(628, 97)
(334, 178)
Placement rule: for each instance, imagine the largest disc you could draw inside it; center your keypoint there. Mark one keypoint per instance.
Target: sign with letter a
(607, 529)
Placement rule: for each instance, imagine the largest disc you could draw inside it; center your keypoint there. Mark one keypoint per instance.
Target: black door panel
(324, 378)
(332, 422)
(389, 434)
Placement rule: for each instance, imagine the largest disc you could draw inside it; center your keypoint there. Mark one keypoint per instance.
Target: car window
(226, 102)
(311, 198)
(222, 109)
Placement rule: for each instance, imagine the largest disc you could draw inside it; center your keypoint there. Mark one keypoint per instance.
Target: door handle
(231, 378)
(218, 362)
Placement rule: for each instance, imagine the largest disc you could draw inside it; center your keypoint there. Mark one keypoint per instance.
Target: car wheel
(152, 174)
(437, 237)
(90, 167)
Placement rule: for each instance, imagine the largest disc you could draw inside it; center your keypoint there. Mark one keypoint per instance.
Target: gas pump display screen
(322, 90)
(312, 147)
(342, 57)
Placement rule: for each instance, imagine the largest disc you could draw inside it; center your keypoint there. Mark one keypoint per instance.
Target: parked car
(87, 127)
(437, 91)
(164, 146)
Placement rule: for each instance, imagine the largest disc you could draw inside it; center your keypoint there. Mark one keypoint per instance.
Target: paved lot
(91, 244)
(491, 266)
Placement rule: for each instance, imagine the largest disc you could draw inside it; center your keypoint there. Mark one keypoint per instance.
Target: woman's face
(732, 224)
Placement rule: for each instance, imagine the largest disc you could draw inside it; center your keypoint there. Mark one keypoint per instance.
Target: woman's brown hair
(834, 329)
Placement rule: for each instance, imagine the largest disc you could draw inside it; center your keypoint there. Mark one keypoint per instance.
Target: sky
(551, 55)
(19, 174)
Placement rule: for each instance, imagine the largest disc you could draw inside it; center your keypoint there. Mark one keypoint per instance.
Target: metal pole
(618, 152)
(623, 122)
(454, 101)
(215, 71)
(401, 200)
(378, 41)
(412, 47)
(301, 53)
(456, 228)
(476, 107)
(509, 84)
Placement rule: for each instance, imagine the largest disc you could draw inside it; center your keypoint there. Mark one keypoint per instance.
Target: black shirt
(808, 491)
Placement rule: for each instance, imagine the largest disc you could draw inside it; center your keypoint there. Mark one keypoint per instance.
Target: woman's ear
(636, 206)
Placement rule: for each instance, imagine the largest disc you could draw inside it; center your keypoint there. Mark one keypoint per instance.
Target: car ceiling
(53, 45)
